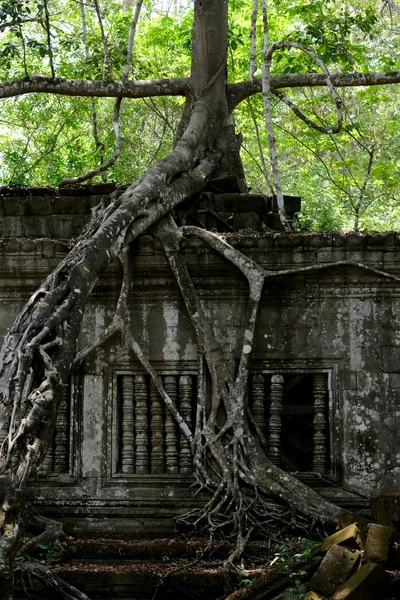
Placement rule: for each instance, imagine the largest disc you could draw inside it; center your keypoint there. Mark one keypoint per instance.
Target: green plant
(244, 582)
(165, 558)
(51, 548)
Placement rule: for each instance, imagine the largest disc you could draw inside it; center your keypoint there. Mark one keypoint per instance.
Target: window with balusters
(62, 458)
(149, 440)
(290, 410)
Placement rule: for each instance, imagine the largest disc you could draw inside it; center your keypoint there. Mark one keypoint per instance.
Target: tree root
(53, 534)
(25, 573)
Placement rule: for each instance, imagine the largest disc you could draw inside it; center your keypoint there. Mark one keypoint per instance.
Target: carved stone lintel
(127, 425)
(141, 425)
(257, 401)
(320, 429)
(171, 439)
(185, 396)
(157, 431)
(275, 421)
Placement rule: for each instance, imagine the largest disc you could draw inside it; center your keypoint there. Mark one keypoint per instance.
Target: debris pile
(355, 563)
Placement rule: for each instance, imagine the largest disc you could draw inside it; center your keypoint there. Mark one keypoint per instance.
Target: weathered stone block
(385, 240)
(354, 241)
(367, 257)
(249, 241)
(390, 259)
(289, 242)
(35, 226)
(12, 227)
(14, 206)
(352, 535)
(386, 507)
(379, 540)
(338, 239)
(371, 358)
(39, 205)
(335, 569)
(12, 247)
(368, 583)
(348, 380)
(394, 381)
(48, 249)
(391, 358)
(327, 256)
(314, 241)
(28, 246)
(68, 205)
(249, 220)
(60, 226)
(265, 242)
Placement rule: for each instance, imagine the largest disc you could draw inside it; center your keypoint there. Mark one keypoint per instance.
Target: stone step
(142, 580)
(158, 549)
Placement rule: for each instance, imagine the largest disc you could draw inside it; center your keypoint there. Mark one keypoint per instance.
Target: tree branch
(95, 88)
(150, 88)
(392, 6)
(237, 92)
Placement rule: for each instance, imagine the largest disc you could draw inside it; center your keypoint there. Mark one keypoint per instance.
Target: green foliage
(300, 549)
(45, 138)
(50, 550)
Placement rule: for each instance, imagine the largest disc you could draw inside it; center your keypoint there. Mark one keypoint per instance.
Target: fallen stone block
(276, 579)
(352, 535)
(368, 583)
(335, 568)
(378, 544)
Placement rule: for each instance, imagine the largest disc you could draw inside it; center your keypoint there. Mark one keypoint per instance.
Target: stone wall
(341, 323)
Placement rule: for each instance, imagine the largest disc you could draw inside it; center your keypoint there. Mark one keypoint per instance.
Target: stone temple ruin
(325, 374)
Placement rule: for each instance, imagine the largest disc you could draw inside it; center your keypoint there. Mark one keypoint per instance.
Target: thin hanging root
(171, 406)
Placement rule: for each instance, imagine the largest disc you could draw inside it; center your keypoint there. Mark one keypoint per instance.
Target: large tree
(230, 461)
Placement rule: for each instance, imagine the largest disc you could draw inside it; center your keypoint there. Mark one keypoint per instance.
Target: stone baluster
(257, 401)
(320, 432)
(157, 431)
(47, 464)
(171, 439)
(141, 425)
(185, 396)
(4, 431)
(127, 425)
(61, 435)
(275, 421)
